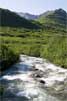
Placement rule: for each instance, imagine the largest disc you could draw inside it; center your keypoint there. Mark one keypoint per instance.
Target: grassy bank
(7, 57)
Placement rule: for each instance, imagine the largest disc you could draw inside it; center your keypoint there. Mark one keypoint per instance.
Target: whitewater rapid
(34, 79)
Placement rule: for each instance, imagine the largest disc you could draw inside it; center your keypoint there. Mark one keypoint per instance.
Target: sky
(33, 6)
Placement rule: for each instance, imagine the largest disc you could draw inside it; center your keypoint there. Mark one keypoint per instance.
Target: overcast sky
(33, 6)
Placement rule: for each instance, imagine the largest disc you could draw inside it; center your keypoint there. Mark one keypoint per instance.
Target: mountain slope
(54, 22)
(58, 16)
(11, 19)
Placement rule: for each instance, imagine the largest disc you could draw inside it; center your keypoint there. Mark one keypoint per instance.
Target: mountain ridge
(33, 16)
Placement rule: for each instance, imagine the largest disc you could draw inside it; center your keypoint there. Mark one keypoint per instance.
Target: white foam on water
(24, 77)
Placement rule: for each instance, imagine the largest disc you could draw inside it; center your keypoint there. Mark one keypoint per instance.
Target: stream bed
(34, 79)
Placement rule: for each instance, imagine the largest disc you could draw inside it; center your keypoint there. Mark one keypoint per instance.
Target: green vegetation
(7, 57)
(48, 41)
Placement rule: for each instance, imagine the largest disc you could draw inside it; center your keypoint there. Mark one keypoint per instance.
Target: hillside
(54, 19)
(59, 16)
(50, 41)
(12, 19)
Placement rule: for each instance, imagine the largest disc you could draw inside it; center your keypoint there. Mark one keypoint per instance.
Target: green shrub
(7, 57)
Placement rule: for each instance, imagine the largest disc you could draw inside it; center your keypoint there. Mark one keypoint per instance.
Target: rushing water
(21, 85)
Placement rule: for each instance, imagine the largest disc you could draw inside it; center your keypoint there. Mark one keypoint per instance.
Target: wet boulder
(42, 81)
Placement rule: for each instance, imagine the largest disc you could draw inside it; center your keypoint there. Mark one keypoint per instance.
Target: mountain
(9, 18)
(55, 16)
(28, 16)
(54, 20)
(59, 16)
(47, 19)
